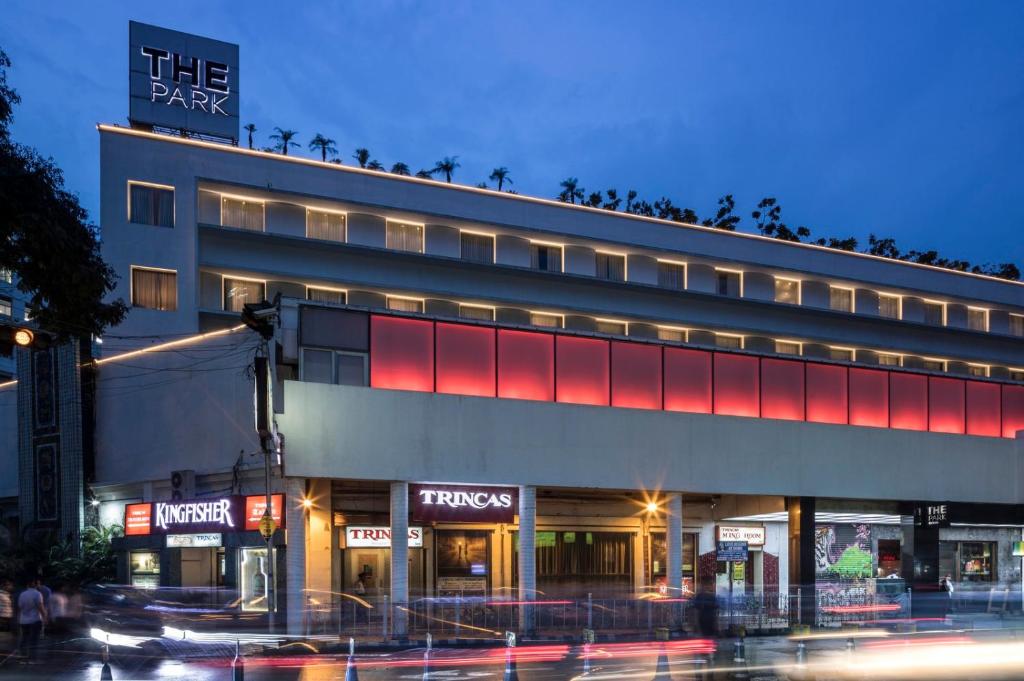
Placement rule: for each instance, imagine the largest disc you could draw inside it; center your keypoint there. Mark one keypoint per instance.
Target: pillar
(399, 559)
(802, 587)
(295, 556)
(674, 544)
(319, 545)
(527, 554)
(919, 563)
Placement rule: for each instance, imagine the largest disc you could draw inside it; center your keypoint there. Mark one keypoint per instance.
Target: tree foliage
(46, 240)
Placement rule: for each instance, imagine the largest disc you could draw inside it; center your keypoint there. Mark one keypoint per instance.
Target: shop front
(365, 566)
(210, 548)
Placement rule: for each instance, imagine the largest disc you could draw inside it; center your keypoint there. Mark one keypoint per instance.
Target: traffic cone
(426, 665)
(739, 660)
(586, 659)
(237, 665)
(662, 672)
(511, 673)
(351, 673)
(105, 672)
(801, 653)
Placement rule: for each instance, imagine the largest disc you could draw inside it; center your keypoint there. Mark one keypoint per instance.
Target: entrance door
(199, 567)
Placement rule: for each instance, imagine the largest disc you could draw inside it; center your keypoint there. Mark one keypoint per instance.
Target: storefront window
(145, 569)
(977, 561)
(463, 563)
(575, 563)
(659, 556)
(254, 582)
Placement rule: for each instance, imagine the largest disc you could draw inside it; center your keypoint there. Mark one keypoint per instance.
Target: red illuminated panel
(256, 505)
(138, 519)
(636, 375)
(1013, 410)
(465, 359)
(908, 401)
(401, 353)
(827, 393)
(869, 397)
(581, 370)
(526, 365)
(945, 405)
(782, 389)
(736, 385)
(687, 380)
(984, 410)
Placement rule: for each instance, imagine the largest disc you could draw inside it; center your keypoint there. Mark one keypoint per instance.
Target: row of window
(154, 205)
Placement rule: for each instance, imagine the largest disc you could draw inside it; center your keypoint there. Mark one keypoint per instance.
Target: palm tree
(447, 165)
(500, 175)
(570, 192)
(400, 169)
(361, 156)
(284, 139)
(324, 144)
(375, 165)
(250, 128)
(424, 174)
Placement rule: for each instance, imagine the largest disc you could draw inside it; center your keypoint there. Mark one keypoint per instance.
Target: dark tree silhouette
(501, 176)
(324, 144)
(400, 169)
(250, 128)
(375, 165)
(361, 156)
(570, 190)
(447, 165)
(284, 139)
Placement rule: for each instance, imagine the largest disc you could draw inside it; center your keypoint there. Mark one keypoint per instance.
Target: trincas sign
(378, 537)
(200, 516)
(463, 503)
(182, 81)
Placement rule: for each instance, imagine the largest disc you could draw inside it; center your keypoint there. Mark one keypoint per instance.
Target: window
(730, 283)
(976, 561)
(787, 291)
(887, 360)
(889, 306)
(405, 304)
(241, 213)
(841, 354)
(339, 368)
(5, 276)
(325, 295)
(546, 258)
(671, 275)
(403, 236)
(728, 340)
(788, 347)
(979, 370)
(977, 319)
(545, 319)
(933, 364)
(1017, 325)
(150, 204)
(154, 289)
(669, 334)
(326, 225)
(238, 292)
(1017, 374)
(477, 247)
(840, 299)
(611, 327)
(476, 312)
(611, 266)
(934, 313)
(6, 309)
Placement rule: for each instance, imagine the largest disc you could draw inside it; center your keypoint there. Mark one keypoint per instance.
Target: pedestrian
(31, 615)
(6, 606)
(57, 609)
(947, 586)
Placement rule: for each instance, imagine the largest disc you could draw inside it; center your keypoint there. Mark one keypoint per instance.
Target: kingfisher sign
(200, 516)
(463, 503)
(182, 81)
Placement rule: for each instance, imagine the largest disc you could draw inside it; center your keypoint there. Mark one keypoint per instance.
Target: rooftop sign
(182, 81)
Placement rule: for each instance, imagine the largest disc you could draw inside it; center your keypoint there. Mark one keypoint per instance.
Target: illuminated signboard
(465, 503)
(379, 537)
(194, 541)
(256, 505)
(932, 515)
(182, 81)
(138, 519)
(754, 536)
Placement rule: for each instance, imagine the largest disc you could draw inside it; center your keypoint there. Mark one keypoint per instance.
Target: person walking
(31, 615)
(947, 586)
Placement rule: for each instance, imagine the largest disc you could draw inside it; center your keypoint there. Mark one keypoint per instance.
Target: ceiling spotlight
(307, 503)
(652, 506)
(23, 337)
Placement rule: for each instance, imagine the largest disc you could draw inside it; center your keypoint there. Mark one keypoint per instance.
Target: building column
(295, 556)
(399, 559)
(674, 544)
(527, 555)
(802, 588)
(319, 544)
(919, 563)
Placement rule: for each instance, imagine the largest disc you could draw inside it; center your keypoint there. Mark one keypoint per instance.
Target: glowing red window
(465, 359)
(736, 385)
(636, 375)
(908, 401)
(687, 380)
(526, 365)
(581, 370)
(946, 399)
(827, 393)
(869, 397)
(782, 389)
(1013, 410)
(984, 409)
(401, 353)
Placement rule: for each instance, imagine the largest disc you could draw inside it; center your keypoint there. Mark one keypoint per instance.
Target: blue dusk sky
(905, 119)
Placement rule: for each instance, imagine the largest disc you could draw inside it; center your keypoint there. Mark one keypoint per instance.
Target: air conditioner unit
(183, 485)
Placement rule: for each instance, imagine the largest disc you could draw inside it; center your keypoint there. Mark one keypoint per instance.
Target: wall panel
(687, 380)
(465, 359)
(869, 397)
(827, 393)
(401, 353)
(526, 365)
(946, 405)
(984, 409)
(636, 375)
(736, 385)
(908, 401)
(581, 370)
(782, 389)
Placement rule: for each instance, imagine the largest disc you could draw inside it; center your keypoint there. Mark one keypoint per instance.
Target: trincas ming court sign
(182, 81)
